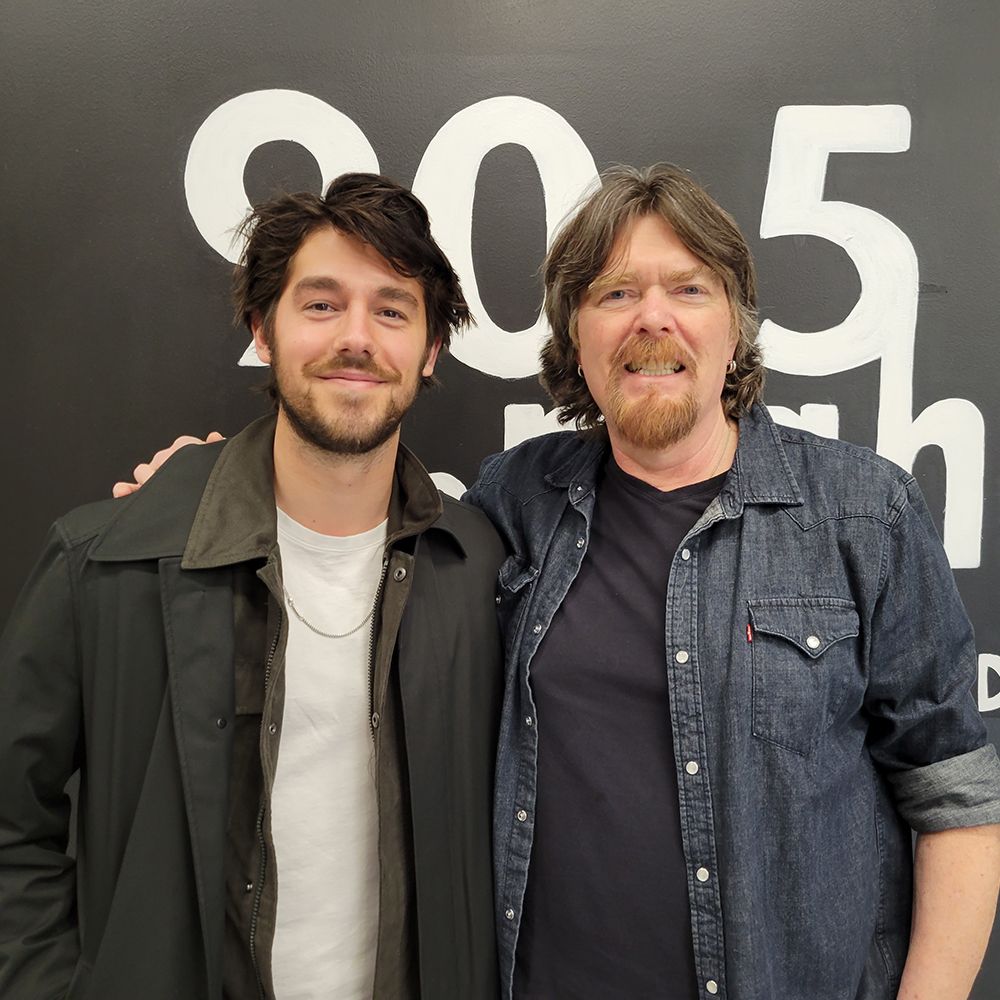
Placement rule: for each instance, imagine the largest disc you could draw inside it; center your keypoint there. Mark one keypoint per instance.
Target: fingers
(142, 472)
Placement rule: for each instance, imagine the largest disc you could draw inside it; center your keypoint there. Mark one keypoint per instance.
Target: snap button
(813, 642)
(221, 723)
(527, 720)
(273, 728)
(521, 815)
(248, 887)
(685, 554)
(536, 628)
(691, 767)
(712, 986)
(398, 574)
(702, 875)
(498, 598)
(579, 543)
(509, 913)
(376, 719)
(682, 656)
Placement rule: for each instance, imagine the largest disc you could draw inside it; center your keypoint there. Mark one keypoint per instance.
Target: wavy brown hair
(369, 207)
(582, 250)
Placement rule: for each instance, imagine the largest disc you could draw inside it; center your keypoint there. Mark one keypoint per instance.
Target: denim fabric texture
(820, 667)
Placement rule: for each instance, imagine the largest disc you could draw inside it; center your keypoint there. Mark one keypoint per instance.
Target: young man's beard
(347, 429)
(652, 421)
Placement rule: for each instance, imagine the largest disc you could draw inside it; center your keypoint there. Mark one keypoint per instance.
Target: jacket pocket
(514, 586)
(802, 657)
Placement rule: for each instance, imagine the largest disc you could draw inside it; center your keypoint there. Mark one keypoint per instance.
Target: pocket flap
(813, 625)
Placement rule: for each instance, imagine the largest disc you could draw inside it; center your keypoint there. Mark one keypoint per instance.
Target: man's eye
(614, 295)
(692, 290)
(320, 307)
(393, 314)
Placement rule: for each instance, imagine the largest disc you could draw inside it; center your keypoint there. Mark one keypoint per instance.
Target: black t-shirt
(606, 911)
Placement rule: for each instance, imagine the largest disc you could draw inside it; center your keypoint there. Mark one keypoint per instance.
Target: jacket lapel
(198, 628)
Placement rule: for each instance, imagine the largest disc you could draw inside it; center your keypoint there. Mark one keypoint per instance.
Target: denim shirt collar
(760, 474)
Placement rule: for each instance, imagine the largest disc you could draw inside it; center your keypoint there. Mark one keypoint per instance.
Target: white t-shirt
(324, 817)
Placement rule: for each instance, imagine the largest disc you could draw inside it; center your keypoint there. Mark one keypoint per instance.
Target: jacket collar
(760, 474)
(214, 505)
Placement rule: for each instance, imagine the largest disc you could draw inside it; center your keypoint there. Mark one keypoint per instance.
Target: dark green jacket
(118, 660)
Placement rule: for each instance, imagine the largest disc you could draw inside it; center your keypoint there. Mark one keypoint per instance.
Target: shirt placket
(567, 549)
(684, 680)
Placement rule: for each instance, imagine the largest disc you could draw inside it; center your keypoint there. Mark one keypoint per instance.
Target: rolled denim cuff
(957, 792)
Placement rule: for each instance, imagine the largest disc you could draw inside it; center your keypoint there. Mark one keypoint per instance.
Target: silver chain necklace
(331, 635)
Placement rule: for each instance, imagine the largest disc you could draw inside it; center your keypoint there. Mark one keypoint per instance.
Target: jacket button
(521, 815)
(399, 574)
(685, 554)
(580, 543)
(682, 656)
(712, 986)
(702, 875)
(813, 642)
(248, 887)
(273, 728)
(499, 598)
(536, 628)
(509, 913)
(527, 720)
(221, 723)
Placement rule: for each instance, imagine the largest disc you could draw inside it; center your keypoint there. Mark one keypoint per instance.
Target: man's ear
(432, 356)
(259, 339)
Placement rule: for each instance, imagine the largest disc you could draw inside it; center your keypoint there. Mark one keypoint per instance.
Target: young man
(741, 671)
(276, 668)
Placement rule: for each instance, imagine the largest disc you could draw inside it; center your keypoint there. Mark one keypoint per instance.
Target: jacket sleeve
(40, 731)
(926, 734)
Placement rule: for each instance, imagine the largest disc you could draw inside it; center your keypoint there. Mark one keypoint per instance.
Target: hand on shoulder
(142, 472)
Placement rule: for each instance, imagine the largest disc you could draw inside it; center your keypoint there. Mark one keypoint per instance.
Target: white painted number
(446, 183)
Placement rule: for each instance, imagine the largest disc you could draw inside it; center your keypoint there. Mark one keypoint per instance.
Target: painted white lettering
(522, 421)
(447, 483)
(820, 418)
(213, 175)
(446, 183)
(988, 663)
(882, 323)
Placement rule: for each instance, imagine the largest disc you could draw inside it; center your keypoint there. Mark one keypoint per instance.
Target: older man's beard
(652, 421)
(345, 426)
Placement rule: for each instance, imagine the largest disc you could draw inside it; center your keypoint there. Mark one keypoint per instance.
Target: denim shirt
(820, 666)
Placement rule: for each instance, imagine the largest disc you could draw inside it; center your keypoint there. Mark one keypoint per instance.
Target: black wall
(117, 329)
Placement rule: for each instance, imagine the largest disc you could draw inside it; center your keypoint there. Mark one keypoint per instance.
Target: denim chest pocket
(514, 586)
(803, 654)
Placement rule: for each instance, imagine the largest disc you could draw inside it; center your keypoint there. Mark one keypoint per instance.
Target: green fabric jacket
(118, 661)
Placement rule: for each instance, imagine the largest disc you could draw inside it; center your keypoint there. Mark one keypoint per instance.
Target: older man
(740, 669)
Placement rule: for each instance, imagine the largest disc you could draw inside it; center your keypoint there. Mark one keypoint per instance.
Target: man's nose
(656, 316)
(355, 333)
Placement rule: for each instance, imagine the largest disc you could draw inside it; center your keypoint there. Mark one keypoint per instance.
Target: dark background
(116, 316)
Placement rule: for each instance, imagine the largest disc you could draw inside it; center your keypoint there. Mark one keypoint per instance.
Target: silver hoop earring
(579, 371)
(731, 367)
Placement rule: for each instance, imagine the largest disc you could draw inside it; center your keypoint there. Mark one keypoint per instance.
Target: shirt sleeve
(40, 712)
(926, 734)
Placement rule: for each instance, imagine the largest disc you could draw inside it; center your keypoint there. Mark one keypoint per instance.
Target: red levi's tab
(749, 632)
